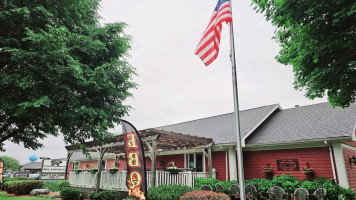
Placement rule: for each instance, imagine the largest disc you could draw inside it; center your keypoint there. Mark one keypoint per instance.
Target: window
(75, 165)
(103, 165)
(195, 161)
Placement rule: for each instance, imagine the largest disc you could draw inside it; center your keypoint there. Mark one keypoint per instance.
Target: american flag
(208, 47)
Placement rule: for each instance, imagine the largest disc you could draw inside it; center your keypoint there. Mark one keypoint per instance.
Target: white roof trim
(257, 125)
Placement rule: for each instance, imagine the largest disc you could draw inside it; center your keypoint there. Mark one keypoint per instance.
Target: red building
(316, 136)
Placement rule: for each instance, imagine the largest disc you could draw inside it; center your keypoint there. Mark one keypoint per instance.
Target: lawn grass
(4, 197)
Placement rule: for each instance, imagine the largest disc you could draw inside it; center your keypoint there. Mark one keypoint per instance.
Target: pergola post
(210, 165)
(153, 163)
(98, 177)
(69, 155)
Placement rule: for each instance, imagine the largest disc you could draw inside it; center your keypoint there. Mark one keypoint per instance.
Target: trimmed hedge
(200, 194)
(108, 195)
(22, 187)
(70, 193)
(2, 186)
(168, 192)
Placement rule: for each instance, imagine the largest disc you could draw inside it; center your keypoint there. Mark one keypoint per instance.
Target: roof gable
(313, 122)
(222, 128)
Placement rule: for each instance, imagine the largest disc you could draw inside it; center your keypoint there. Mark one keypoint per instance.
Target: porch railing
(117, 181)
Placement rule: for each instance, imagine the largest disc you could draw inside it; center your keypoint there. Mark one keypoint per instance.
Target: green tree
(319, 39)
(60, 71)
(10, 163)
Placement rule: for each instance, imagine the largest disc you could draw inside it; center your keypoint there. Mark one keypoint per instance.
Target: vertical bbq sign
(1, 170)
(135, 159)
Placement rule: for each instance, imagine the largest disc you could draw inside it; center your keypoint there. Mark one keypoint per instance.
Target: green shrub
(130, 198)
(212, 182)
(289, 183)
(52, 186)
(8, 187)
(262, 184)
(70, 193)
(200, 194)
(55, 196)
(21, 178)
(286, 181)
(167, 192)
(333, 191)
(12, 179)
(22, 187)
(107, 195)
(62, 184)
(91, 194)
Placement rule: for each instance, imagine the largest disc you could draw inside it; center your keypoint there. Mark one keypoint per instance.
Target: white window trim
(186, 158)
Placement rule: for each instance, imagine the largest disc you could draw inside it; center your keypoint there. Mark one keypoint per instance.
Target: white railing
(117, 181)
(83, 179)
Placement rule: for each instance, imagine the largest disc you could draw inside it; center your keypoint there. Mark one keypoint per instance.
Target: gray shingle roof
(32, 165)
(94, 155)
(318, 121)
(221, 128)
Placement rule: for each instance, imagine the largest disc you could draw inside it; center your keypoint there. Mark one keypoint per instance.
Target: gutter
(287, 145)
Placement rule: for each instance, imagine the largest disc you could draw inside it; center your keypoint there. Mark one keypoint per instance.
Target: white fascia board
(340, 166)
(353, 135)
(296, 144)
(277, 107)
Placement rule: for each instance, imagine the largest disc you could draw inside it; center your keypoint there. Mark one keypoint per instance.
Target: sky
(174, 84)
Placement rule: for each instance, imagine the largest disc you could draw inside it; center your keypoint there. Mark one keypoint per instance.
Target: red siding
(219, 163)
(351, 143)
(350, 169)
(178, 160)
(122, 164)
(318, 158)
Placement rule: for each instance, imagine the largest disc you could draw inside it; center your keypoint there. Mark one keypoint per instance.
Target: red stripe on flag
(215, 25)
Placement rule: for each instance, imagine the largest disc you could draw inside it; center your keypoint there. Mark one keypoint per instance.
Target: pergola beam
(108, 145)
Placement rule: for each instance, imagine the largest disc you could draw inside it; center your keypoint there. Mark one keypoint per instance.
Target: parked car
(8, 175)
(35, 176)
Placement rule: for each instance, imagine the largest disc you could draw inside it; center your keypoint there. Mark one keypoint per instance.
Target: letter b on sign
(131, 141)
(134, 160)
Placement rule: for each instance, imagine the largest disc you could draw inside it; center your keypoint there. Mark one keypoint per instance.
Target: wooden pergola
(154, 141)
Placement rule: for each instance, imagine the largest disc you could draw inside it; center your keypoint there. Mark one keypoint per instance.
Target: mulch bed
(49, 195)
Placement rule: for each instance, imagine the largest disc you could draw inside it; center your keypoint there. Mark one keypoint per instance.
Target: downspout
(332, 161)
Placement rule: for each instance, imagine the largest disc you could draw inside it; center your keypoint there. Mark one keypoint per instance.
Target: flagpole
(237, 117)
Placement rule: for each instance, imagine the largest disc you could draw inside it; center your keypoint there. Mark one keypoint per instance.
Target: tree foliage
(60, 71)
(10, 163)
(319, 39)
